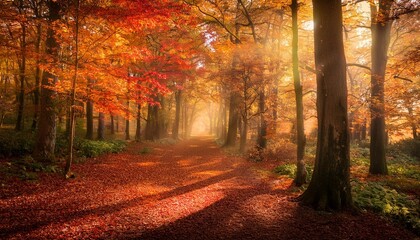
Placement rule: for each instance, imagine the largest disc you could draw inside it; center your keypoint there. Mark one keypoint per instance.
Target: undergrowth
(14, 143)
(91, 148)
(18, 146)
(380, 198)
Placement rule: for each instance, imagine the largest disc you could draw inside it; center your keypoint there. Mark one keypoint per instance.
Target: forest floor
(188, 190)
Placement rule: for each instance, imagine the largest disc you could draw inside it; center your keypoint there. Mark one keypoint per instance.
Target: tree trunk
(138, 123)
(162, 130)
(232, 131)
(46, 135)
(175, 130)
(330, 184)
(244, 133)
(89, 110)
(152, 126)
(112, 125)
(101, 126)
(301, 173)
(127, 122)
(22, 71)
(262, 131)
(89, 119)
(381, 32)
(73, 96)
(37, 77)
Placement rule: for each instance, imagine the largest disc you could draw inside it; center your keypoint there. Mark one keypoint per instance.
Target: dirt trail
(190, 190)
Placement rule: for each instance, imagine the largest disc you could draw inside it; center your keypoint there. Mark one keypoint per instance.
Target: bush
(255, 154)
(91, 148)
(286, 169)
(280, 149)
(389, 202)
(15, 143)
(409, 147)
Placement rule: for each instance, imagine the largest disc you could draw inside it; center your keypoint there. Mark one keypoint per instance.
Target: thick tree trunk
(22, 71)
(101, 126)
(330, 184)
(300, 177)
(381, 32)
(175, 130)
(152, 126)
(232, 131)
(46, 135)
(138, 123)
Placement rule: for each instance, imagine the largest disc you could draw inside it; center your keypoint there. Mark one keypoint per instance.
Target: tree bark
(37, 76)
(175, 130)
(152, 126)
(73, 95)
(112, 124)
(22, 71)
(381, 33)
(46, 135)
(138, 123)
(262, 131)
(301, 173)
(232, 131)
(330, 188)
(101, 126)
(244, 135)
(127, 122)
(89, 111)
(89, 120)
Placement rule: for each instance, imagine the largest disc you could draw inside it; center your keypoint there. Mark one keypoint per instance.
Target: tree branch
(403, 78)
(358, 65)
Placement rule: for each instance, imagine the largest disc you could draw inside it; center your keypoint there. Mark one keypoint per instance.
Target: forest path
(189, 190)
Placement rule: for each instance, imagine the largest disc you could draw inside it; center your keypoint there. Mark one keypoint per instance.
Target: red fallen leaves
(183, 191)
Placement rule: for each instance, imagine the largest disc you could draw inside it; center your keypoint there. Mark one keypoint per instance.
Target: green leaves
(90, 148)
(375, 196)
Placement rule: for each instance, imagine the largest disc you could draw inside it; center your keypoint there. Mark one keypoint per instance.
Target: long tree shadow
(23, 227)
(221, 220)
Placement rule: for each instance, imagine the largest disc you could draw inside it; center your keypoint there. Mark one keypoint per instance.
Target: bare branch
(403, 78)
(358, 65)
